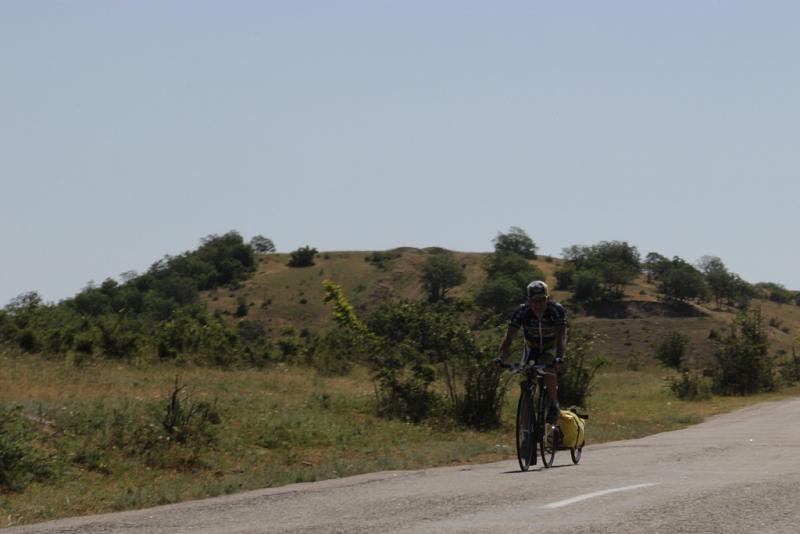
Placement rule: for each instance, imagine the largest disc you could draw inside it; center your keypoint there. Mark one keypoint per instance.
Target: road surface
(738, 472)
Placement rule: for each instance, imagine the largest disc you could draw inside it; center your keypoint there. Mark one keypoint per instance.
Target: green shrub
(671, 349)
(579, 370)
(500, 295)
(588, 286)
(336, 353)
(303, 257)
(790, 371)
(484, 394)
(743, 364)
(565, 277)
(29, 341)
(691, 386)
(241, 307)
(409, 345)
(20, 462)
(381, 260)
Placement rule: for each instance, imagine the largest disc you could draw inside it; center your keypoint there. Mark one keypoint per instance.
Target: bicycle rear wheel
(526, 444)
(576, 454)
(548, 434)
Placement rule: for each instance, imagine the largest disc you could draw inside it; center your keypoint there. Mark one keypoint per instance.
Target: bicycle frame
(532, 428)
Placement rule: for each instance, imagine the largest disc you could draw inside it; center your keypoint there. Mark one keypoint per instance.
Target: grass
(277, 426)
(284, 424)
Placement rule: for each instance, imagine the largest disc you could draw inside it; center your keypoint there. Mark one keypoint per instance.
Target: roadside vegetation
(233, 367)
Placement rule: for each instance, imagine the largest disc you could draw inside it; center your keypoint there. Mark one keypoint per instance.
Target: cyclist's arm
(505, 344)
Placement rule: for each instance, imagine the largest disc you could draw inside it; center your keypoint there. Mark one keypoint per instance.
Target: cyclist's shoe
(553, 412)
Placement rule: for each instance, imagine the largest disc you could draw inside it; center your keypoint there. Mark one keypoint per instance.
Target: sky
(131, 130)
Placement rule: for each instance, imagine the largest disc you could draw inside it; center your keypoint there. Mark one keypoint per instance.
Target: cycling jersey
(540, 335)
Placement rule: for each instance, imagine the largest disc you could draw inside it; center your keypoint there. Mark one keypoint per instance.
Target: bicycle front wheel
(548, 435)
(526, 444)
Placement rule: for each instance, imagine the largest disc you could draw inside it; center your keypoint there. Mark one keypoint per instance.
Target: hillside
(103, 409)
(280, 296)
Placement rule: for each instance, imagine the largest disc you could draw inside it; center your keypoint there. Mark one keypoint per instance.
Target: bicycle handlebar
(538, 369)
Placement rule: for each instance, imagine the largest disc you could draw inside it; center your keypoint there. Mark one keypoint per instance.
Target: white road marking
(592, 495)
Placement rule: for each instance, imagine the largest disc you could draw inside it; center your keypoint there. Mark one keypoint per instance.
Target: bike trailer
(573, 429)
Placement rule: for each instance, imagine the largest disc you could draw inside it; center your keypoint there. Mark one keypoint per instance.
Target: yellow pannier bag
(573, 430)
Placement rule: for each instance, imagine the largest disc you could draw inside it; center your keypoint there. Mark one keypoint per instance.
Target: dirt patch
(638, 309)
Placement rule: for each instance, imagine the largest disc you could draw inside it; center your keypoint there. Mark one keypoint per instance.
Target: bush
(20, 462)
(303, 257)
(576, 376)
(336, 353)
(790, 371)
(671, 349)
(484, 394)
(691, 387)
(180, 424)
(381, 260)
(588, 287)
(500, 295)
(29, 341)
(743, 365)
(241, 307)
(565, 277)
(409, 345)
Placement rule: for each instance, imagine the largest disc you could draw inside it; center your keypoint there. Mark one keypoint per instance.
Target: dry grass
(285, 425)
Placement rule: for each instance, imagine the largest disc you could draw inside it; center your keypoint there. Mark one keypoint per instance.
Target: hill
(154, 390)
(280, 296)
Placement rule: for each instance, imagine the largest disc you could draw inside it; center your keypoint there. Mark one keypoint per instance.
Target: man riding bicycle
(544, 325)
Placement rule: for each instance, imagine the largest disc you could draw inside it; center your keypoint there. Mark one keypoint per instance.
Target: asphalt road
(738, 472)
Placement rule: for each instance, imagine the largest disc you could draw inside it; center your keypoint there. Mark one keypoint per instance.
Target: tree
(720, 281)
(743, 291)
(262, 244)
(440, 273)
(303, 257)
(682, 282)
(28, 301)
(516, 241)
(613, 264)
(507, 275)
(655, 265)
(512, 266)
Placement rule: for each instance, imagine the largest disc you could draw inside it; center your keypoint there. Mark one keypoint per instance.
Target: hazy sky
(130, 130)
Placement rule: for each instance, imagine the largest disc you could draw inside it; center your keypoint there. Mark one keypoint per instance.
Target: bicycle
(532, 428)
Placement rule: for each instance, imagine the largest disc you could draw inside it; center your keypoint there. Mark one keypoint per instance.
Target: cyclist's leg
(526, 354)
(551, 381)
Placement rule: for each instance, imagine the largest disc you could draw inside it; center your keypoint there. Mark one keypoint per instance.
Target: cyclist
(544, 325)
